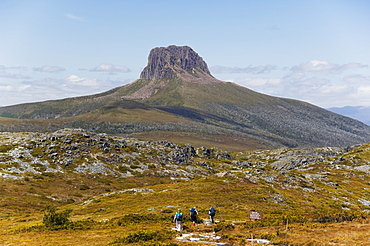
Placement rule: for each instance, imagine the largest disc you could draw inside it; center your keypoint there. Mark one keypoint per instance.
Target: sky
(317, 51)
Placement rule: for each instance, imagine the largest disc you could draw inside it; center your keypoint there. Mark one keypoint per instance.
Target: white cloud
(6, 88)
(332, 89)
(23, 87)
(304, 81)
(3, 68)
(49, 69)
(325, 67)
(364, 90)
(294, 76)
(15, 94)
(80, 81)
(111, 68)
(256, 82)
(14, 76)
(358, 79)
(50, 89)
(250, 69)
(5, 74)
(73, 17)
(353, 65)
(323, 89)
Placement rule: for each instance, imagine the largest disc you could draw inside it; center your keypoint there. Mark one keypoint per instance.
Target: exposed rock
(315, 176)
(72, 150)
(89, 153)
(364, 202)
(364, 168)
(176, 62)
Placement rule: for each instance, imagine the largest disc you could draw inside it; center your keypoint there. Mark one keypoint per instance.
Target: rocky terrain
(75, 150)
(121, 188)
(309, 170)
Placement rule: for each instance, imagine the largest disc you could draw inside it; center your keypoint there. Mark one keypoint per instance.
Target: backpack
(212, 211)
(193, 212)
(178, 216)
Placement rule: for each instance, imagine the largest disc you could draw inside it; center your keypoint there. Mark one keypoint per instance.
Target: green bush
(151, 166)
(145, 236)
(55, 220)
(70, 201)
(168, 211)
(84, 187)
(224, 227)
(143, 218)
(124, 169)
(338, 217)
(5, 148)
(277, 221)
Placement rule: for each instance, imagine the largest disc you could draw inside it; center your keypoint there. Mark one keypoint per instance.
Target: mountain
(176, 98)
(359, 113)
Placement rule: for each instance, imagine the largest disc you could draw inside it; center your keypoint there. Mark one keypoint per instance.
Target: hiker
(178, 220)
(193, 215)
(212, 213)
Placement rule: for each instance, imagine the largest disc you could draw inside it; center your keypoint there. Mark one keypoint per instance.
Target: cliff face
(175, 62)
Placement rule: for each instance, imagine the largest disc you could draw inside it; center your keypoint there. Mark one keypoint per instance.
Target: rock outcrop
(175, 62)
(83, 152)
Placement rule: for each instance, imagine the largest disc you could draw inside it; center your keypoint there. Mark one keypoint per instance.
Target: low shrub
(168, 211)
(145, 236)
(84, 187)
(338, 217)
(223, 227)
(54, 220)
(5, 148)
(277, 221)
(143, 218)
(70, 201)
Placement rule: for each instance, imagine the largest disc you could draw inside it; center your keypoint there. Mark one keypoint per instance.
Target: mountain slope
(176, 93)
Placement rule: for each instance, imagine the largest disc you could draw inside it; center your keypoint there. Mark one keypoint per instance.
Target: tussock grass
(135, 219)
(138, 210)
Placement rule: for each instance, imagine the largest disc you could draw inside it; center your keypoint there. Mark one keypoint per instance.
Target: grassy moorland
(100, 193)
(110, 219)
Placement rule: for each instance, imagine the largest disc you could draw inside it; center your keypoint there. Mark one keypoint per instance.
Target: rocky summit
(175, 62)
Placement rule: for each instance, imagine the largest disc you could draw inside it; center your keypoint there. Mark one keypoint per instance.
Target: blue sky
(314, 51)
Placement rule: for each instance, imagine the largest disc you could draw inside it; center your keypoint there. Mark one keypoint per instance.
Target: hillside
(122, 191)
(176, 96)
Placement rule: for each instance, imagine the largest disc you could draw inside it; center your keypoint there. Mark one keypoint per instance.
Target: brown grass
(232, 199)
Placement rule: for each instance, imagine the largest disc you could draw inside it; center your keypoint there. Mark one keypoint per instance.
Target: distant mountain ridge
(177, 97)
(360, 113)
